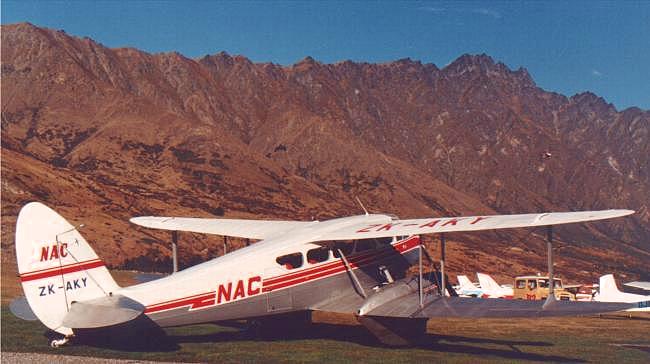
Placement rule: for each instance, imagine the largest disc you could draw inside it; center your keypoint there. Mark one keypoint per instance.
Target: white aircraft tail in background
(491, 289)
(466, 288)
(609, 292)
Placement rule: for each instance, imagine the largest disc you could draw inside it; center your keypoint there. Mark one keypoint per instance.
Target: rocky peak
(484, 65)
(219, 60)
(591, 102)
(466, 62)
(306, 64)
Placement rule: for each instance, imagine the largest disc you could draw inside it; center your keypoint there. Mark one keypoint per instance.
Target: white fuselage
(253, 272)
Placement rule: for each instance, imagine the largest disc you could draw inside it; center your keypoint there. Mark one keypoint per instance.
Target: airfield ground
(334, 337)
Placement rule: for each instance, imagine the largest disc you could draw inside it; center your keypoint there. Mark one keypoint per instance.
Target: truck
(536, 287)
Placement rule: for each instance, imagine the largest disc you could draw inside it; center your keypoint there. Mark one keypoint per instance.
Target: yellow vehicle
(536, 288)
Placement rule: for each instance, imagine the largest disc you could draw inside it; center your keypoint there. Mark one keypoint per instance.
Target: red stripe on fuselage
(354, 260)
(294, 278)
(198, 301)
(70, 268)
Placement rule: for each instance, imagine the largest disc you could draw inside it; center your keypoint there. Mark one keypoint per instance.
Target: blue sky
(568, 47)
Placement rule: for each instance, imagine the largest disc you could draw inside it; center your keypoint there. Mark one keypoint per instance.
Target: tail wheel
(57, 343)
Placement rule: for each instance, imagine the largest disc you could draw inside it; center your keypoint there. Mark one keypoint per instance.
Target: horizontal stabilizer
(20, 308)
(102, 312)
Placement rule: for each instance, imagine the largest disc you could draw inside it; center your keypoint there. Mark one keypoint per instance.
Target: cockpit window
(318, 255)
(290, 261)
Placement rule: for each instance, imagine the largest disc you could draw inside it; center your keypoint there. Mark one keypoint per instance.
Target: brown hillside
(104, 134)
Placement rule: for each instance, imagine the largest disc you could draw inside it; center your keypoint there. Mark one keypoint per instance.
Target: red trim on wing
(56, 271)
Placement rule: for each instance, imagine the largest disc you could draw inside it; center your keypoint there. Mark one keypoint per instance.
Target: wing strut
(174, 251)
(354, 276)
(549, 255)
(443, 287)
(420, 283)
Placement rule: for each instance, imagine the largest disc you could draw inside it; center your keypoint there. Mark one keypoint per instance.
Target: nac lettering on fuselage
(242, 289)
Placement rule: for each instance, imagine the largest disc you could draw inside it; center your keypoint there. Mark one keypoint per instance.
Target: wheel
(58, 343)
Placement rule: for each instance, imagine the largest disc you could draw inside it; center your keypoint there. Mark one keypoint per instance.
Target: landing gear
(57, 343)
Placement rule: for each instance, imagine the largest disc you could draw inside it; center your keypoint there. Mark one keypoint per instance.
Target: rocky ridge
(104, 134)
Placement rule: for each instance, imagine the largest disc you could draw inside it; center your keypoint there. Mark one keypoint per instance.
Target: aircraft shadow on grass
(147, 337)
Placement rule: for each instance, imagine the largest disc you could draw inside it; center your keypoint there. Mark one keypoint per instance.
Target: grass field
(338, 338)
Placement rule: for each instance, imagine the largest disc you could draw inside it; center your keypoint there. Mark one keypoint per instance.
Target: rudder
(465, 283)
(487, 282)
(607, 287)
(56, 265)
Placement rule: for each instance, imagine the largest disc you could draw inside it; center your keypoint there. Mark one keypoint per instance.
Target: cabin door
(280, 300)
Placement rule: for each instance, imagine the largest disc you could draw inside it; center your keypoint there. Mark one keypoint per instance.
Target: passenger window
(543, 283)
(558, 283)
(365, 244)
(521, 284)
(344, 246)
(532, 284)
(290, 261)
(318, 255)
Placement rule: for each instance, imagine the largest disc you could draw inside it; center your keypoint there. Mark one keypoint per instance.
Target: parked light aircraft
(492, 289)
(353, 264)
(467, 288)
(609, 292)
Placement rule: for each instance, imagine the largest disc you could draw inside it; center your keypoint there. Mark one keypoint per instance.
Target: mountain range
(103, 134)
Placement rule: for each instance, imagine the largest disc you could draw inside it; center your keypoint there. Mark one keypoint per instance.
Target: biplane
(357, 264)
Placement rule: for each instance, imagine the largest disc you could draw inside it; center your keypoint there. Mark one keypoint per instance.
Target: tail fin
(56, 265)
(465, 283)
(607, 286)
(487, 283)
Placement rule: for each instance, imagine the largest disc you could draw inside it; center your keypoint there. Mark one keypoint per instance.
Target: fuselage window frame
(290, 261)
(318, 255)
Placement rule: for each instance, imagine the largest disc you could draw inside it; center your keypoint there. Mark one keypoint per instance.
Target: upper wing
(252, 229)
(471, 223)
